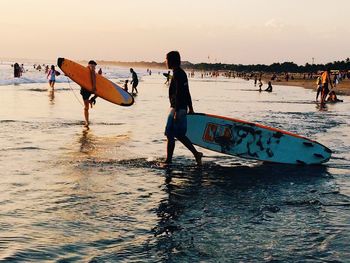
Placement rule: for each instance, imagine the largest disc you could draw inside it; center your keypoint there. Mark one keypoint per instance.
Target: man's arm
(93, 79)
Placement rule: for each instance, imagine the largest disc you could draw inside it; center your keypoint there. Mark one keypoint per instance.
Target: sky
(226, 31)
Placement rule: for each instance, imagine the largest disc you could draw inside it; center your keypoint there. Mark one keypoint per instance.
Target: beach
(72, 194)
(343, 88)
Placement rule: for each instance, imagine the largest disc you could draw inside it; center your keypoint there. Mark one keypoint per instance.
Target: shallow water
(69, 194)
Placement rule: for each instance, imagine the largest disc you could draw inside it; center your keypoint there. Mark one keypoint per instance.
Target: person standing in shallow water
(326, 80)
(17, 70)
(180, 102)
(135, 81)
(269, 87)
(51, 75)
(86, 94)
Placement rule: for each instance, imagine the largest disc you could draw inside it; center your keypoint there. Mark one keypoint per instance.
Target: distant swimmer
(100, 71)
(86, 94)
(180, 102)
(51, 75)
(135, 81)
(319, 86)
(326, 80)
(269, 87)
(126, 85)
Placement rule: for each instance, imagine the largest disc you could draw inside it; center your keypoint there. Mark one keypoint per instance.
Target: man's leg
(170, 149)
(198, 155)
(86, 112)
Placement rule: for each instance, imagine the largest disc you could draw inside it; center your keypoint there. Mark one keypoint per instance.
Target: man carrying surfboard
(86, 94)
(180, 102)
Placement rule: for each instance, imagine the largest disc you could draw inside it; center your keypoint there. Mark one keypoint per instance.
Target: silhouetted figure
(16, 70)
(269, 87)
(126, 85)
(180, 104)
(135, 81)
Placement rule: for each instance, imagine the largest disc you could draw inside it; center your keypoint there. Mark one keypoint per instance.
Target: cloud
(273, 23)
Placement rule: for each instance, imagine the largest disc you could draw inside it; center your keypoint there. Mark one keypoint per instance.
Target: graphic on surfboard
(105, 88)
(253, 141)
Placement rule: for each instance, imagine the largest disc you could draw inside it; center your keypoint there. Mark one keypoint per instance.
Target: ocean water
(68, 194)
(33, 76)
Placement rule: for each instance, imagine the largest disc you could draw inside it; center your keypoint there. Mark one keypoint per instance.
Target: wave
(31, 76)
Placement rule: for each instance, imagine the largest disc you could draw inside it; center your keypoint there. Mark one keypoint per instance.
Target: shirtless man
(86, 94)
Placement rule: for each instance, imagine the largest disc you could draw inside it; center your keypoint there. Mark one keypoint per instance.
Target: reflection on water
(87, 142)
(97, 195)
(52, 95)
(244, 205)
(321, 107)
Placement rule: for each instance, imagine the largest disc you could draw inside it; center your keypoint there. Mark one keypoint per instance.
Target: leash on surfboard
(74, 92)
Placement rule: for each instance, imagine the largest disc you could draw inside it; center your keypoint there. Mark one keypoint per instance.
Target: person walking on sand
(51, 75)
(86, 94)
(135, 81)
(326, 80)
(180, 102)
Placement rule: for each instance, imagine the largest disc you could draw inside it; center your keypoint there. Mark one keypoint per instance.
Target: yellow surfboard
(105, 88)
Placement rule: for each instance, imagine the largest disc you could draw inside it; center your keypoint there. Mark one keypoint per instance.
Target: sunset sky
(229, 31)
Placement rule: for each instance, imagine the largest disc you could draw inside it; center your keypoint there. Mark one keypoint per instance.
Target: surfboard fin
(318, 155)
(309, 144)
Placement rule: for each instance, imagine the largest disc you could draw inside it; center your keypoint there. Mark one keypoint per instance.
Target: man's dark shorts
(178, 127)
(85, 94)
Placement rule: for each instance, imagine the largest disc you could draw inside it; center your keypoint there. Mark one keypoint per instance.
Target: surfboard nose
(60, 61)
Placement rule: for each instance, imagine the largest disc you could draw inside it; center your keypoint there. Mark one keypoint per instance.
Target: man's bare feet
(198, 157)
(164, 164)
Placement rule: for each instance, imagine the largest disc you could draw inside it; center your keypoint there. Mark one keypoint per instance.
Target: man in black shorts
(180, 102)
(86, 94)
